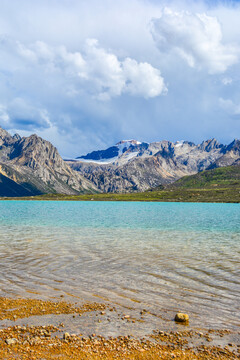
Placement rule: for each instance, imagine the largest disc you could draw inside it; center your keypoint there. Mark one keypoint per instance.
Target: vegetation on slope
(221, 177)
(218, 185)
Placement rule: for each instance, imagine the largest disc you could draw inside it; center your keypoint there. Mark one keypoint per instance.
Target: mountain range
(131, 165)
(31, 165)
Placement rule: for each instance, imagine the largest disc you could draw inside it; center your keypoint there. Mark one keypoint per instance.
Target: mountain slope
(36, 162)
(10, 188)
(217, 185)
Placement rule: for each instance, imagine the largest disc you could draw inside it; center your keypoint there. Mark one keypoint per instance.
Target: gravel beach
(37, 329)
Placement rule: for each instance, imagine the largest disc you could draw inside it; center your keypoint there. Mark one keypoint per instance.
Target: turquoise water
(160, 256)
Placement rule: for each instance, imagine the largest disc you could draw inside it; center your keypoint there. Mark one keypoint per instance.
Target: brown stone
(181, 317)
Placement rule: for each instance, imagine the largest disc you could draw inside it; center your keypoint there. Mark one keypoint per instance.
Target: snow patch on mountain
(179, 143)
(100, 162)
(124, 145)
(113, 153)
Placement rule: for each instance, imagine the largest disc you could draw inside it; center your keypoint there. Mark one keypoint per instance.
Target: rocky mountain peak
(234, 146)
(190, 143)
(16, 137)
(36, 166)
(167, 149)
(210, 144)
(5, 137)
(35, 152)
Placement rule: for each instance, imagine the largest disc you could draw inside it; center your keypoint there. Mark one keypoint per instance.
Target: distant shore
(217, 195)
(19, 337)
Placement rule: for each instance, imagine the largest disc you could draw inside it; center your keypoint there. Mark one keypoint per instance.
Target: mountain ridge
(141, 165)
(33, 166)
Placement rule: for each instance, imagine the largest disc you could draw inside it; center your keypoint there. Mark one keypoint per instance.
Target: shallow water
(163, 257)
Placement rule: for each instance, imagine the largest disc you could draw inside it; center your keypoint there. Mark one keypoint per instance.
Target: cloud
(195, 37)
(20, 114)
(143, 79)
(63, 93)
(83, 95)
(93, 69)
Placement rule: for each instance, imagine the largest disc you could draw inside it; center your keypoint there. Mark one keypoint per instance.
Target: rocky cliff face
(140, 166)
(36, 165)
(230, 156)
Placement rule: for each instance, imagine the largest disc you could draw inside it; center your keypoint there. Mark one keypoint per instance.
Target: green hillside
(216, 178)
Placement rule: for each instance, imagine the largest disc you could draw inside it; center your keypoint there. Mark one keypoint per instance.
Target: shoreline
(192, 195)
(33, 328)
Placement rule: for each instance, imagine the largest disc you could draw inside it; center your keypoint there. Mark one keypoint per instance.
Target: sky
(85, 74)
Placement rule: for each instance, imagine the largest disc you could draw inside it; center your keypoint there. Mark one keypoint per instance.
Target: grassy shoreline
(212, 195)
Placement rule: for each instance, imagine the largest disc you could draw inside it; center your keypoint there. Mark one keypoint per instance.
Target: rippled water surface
(160, 256)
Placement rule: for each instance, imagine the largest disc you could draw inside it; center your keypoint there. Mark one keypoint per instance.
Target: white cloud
(197, 38)
(93, 69)
(143, 79)
(64, 80)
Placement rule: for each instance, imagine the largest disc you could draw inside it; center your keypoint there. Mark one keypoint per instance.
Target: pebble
(66, 336)
(11, 341)
(31, 341)
(180, 317)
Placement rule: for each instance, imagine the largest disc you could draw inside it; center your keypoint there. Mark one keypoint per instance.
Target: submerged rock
(180, 317)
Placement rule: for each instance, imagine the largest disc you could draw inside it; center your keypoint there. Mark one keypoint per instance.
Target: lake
(163, 257)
